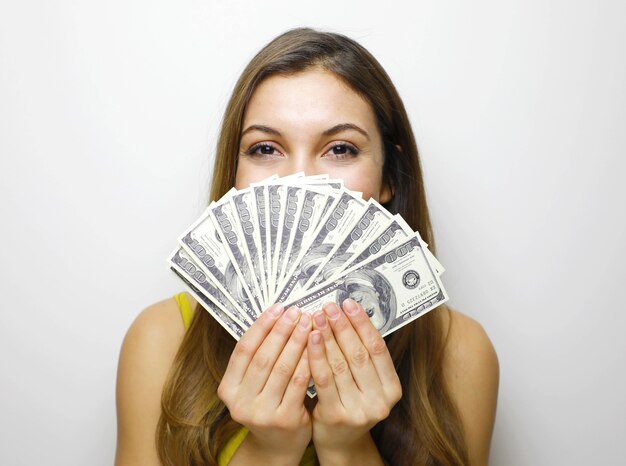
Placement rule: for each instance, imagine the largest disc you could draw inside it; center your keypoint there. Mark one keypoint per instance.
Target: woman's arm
(471, 372)
(145, 359)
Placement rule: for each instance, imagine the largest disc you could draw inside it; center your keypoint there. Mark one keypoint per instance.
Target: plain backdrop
(109, 112)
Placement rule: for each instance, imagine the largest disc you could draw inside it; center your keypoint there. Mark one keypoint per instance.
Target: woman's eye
(342, 150)
(262, 150)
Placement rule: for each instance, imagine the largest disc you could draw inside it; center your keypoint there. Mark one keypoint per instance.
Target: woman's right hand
(265, 384)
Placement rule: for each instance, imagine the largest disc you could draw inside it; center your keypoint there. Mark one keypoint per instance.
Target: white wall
(108, 117)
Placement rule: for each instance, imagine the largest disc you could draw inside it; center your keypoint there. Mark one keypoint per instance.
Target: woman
(318, 103)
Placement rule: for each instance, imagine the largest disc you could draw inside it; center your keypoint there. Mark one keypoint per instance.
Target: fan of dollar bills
(303, 241)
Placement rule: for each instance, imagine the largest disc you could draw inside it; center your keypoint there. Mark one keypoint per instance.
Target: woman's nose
(303, 162)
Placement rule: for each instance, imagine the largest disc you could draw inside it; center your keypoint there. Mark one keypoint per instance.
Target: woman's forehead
(312, 99)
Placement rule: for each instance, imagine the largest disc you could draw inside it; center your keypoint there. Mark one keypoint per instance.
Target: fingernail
(276, 309)
(350, 306)
(316, 337)
(305, 320)
(320, 320)
(292, 314)
(332, 311)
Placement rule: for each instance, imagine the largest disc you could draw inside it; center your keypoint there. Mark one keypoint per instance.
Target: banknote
(274, 207)
(373, 219)
(184, 266)
(260, 210)
(244, 208)
(434, 261)
(333, 226)
(305, 240)
(392, 233)
(287, 222)
(229, 231)
(275, 201)
(233, 327)
(335, 184)
(279, 241)
(203, 244)
(309, 212)
(393, 287)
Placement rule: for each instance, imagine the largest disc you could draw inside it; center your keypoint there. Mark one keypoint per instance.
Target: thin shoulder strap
(185, 308)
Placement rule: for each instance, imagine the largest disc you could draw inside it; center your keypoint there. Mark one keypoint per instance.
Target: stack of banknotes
(303, 241)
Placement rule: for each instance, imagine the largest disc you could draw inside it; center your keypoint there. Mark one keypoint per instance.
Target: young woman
(318, 103)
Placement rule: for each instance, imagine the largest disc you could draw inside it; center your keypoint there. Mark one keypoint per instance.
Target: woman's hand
(265, 384)
(356, 383)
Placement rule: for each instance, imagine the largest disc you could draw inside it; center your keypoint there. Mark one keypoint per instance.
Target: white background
(108, 117)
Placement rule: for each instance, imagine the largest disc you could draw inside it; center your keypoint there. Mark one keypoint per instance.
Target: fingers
(320, 370)
(267, 354)
(334, 364)
(297, 387)
(284, 370)
(351, 345)
(249, 343)
(371, 338)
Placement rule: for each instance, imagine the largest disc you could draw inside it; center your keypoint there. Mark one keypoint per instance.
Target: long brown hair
(424, 428)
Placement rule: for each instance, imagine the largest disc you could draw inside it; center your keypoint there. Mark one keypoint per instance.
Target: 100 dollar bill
(394, 287)
(333, 227)
(204, 246)
(233, 327)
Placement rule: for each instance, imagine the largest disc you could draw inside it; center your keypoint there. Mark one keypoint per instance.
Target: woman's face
(314, 123)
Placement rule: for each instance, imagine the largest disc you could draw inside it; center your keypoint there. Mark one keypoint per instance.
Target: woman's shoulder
(471, 371)
(466, 337)
(469, 352)
(155, 335)
(160, 324)
(146, 356)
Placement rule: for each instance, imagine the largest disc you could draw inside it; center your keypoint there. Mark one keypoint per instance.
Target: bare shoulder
(472, 373)
(468, 340)
(146, 356)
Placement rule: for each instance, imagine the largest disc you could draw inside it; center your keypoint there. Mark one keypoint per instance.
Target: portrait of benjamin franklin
(374, 293)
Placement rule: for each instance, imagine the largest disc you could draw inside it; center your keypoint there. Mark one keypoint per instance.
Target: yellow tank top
(226, 454)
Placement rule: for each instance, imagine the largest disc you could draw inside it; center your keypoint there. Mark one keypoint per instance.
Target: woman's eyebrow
(343, 127)
(262, 128)
(329, 132)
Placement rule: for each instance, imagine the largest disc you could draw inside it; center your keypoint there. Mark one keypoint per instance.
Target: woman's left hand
(356, 381)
